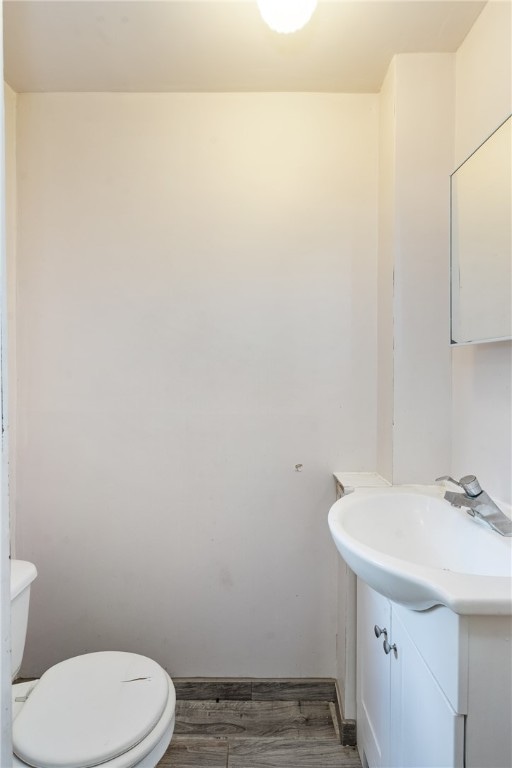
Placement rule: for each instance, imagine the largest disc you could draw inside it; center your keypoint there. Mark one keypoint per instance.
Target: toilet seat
(109, 708)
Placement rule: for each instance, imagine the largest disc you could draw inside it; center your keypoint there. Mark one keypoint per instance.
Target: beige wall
(196, 315)
(482, 373)
(10, 246)
(386, 259)
(421, 357)
(435, 426)
(416, 144)
(6, 157)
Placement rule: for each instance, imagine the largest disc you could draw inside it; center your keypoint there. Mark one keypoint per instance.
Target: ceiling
(218, 45)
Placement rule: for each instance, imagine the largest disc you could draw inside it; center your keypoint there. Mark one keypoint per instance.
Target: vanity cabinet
(429, 693)
(373, 678)
(425, 729)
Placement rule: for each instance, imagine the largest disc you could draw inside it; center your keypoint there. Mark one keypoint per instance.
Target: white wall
(481, 374)
(416, 141)
(196, 315)
(386, 260)
(5, 618)
(424, 146)
(10, 101)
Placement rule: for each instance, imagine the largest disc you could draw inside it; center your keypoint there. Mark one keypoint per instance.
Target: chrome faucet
(478, 503)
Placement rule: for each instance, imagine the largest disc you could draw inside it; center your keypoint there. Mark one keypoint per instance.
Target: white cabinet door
(373, 683)
(404, 720)
(425, 730)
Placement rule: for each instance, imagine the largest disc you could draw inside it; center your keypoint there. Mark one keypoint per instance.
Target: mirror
(481, 256)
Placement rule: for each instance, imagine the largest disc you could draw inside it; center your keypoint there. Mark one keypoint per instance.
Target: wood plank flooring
(257, 734)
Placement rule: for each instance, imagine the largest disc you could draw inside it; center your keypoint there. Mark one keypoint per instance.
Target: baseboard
(255, 689)
(347, 728)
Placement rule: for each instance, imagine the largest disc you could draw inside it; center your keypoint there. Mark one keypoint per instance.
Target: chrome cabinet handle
(380, 631)
(388, 648)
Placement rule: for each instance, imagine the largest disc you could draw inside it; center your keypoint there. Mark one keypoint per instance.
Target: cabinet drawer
(441, 638)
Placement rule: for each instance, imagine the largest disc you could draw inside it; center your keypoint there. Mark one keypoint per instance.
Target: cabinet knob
(388, 647)
(380, 631)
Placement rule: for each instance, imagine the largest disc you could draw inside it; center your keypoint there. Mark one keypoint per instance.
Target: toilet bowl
(109, 708)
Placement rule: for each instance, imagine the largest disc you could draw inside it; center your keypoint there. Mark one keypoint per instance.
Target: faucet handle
(471, 485)
(468, 483)
(447, 477)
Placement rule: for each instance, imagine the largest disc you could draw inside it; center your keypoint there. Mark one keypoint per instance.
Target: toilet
(110, 708)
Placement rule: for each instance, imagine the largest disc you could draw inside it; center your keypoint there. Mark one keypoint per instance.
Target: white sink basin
(412, 546)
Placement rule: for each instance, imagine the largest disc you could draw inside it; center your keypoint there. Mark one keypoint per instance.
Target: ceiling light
(286, 16)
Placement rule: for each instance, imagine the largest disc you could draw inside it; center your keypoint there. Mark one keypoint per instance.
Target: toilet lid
(90, 709)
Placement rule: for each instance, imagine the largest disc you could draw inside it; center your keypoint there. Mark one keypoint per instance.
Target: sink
(412, 546)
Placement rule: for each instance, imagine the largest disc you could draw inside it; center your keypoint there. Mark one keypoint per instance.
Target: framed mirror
(481, 244)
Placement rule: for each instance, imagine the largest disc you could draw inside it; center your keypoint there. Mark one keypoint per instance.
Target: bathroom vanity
(434, 629)
(433, 687)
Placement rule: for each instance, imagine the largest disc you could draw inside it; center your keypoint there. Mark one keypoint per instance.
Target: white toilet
(111, 708)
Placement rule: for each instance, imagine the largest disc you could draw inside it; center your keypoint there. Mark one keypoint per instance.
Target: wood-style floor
(257, 734)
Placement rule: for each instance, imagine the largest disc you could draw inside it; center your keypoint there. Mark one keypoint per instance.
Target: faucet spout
(481, 506)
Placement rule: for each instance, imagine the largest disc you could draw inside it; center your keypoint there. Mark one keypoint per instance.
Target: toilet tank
(22, 576)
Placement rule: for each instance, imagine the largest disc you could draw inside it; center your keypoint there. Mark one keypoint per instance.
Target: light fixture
(286, 16)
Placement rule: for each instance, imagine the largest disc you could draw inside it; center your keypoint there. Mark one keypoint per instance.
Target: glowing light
(286, 16)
